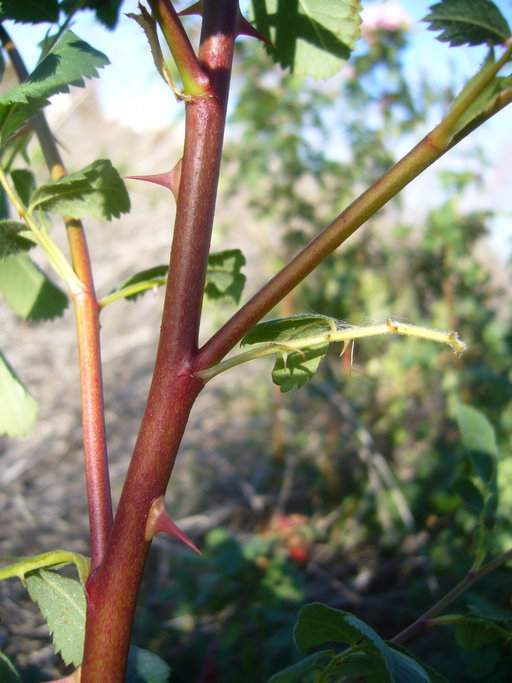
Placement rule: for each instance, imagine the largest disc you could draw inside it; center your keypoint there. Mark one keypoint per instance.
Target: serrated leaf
(30, 11)
(28, 291)
(62, 604)
(69, 62)
(468, 21)
(295, 673)
(469, 493)
(19, 407)
(96, 191)
(312, 37)
(24, 184)
(51, 560)
(8, 672)
(12, 240)
(146, 667)
(223, 276)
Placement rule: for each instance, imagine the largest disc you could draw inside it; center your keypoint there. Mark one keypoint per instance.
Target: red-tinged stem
(88, 328)
(112, 590)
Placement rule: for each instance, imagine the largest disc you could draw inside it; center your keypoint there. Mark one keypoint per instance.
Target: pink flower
(387, 16)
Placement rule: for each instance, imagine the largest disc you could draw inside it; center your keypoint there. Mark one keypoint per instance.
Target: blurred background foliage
(358, 468)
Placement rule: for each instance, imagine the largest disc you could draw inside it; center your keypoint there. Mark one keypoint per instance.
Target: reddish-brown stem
(112, 590)
(88, 327)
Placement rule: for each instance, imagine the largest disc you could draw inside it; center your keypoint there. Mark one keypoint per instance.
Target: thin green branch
(346, 335)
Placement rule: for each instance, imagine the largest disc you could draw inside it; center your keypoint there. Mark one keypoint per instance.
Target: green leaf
(12, 240)
(96, 191)
(312, 37)
(62, 604)
(472, 632)
(293, 368)
(70, 61)
(317, 624)
(139, 283)
(316, 662)
(51, 560)
(107, 11)
(468, 21)
(28, 291)
(286, 329)
(408, 668)
(479, 438)
(24, 184)
(19, 407)
(30, 11)
(469, 493)
(223, 276)
(146, 667)
(8, 672)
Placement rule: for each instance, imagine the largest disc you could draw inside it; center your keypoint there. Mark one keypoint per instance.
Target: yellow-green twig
(41, 237)
(343, 335)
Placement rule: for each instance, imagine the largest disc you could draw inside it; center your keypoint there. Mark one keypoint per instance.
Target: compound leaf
(69, 62)
(97, 191)
(468, 21)
(312, 37)
(62, 604)
(28, 291)
(19, 407)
